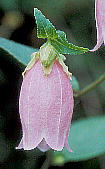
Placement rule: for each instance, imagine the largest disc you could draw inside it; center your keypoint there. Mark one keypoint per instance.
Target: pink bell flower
(45, 107)
(100, 23)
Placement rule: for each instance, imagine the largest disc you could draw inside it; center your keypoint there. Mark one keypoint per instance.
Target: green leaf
(20, 53)
(87, 140)
(45, 29)
(75, 84)
(64, 47)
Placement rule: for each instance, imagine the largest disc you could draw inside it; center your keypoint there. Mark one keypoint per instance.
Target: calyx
(47, 55)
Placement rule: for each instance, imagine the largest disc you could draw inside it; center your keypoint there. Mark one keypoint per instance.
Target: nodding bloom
(100, 22)
(45, 105)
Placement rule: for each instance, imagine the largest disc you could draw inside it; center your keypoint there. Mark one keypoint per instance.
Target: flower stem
(47, 162)
(90, 87)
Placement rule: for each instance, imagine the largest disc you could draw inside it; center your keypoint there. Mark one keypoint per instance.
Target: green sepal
(35, 57)
(45, 29)
(61, 59)
(64, 47)
(47, 54)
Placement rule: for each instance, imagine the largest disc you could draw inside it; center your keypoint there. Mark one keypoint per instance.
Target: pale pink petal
(66, 141)
(99, 43)
(46, 107)
(103, 31)
(32, 107)
(20, 146)
(100, 22)
(60, 107)
(43, 146)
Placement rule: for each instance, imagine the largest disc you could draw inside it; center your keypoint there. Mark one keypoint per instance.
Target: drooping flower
(46, 103)
(100, 22)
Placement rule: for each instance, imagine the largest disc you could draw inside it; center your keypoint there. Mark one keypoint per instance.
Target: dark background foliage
(17, 23)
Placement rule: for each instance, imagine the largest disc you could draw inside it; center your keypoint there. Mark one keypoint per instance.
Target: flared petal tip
(94, 49)
(43, 146)
(69, 149)
(43, 150)
(26, 148)
(97, 46)
(20, 146)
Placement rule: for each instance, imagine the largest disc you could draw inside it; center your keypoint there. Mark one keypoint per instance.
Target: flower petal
(43, 146)
(100, 23)
(46, 106)
(66, 141)
(60, 107)
(31, 107)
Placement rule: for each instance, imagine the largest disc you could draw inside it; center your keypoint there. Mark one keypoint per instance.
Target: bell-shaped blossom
(45, 107)
(100, 22)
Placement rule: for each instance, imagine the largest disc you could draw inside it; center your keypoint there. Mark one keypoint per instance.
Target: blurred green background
(17, 23)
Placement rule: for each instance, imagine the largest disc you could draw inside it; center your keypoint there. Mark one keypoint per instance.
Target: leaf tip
(86, 50)
(35, 11)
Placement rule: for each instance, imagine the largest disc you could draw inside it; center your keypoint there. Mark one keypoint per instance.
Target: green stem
(91, 86)
(47, 162)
